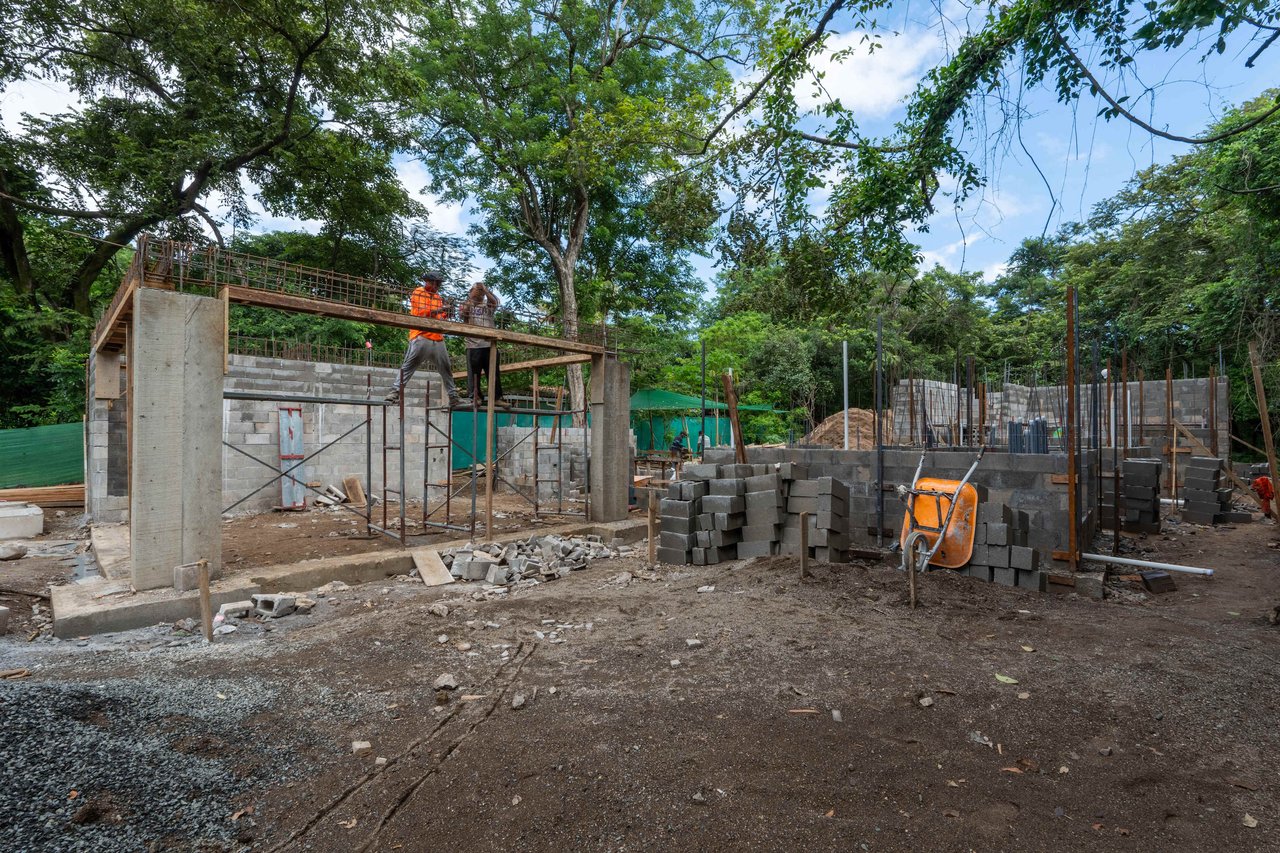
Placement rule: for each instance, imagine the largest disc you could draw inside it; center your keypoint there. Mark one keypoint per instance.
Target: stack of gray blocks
(766, 498)
(1140, 480)
(1205, 500)
(831, 542)
(1001, 553)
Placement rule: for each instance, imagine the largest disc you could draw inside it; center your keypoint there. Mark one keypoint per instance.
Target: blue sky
(1084, 159)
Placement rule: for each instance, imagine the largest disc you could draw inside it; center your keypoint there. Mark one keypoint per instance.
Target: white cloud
(38, 97)
(870, 83)
(991, 272)
(950, 256)
(449, 217)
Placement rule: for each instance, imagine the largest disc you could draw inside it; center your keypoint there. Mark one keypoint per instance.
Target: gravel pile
(126, 765)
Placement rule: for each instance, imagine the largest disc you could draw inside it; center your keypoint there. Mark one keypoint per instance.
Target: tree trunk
(569, 322)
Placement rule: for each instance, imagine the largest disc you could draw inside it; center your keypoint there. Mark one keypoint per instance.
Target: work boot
(393, 397)
(459, 402)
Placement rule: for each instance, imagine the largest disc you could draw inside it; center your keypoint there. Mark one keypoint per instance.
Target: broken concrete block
(274, 604)
(361, 747)
(497, 575)
(20, 521)
(12, 552)
(235, 609)
(446, 681)
(186, 578)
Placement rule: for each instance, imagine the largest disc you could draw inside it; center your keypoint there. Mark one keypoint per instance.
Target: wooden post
(804, 545)
(653, 527)
(1265, 416)
(555, 427)
(206, 607)
(731, 400)
(1124, 400)
(489, 442)
(982, 414)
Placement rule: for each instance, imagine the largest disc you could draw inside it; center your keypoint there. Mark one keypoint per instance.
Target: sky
(1048, 170)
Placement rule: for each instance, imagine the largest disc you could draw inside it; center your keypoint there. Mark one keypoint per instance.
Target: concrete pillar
(610, 438)
(175, 507)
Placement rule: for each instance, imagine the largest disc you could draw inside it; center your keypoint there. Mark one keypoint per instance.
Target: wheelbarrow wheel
(915, 558)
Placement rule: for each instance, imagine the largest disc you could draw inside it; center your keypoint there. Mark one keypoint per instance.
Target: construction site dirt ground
(1135, 723)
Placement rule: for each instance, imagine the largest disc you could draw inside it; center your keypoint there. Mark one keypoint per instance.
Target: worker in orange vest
(1265, 492)
(427, 347)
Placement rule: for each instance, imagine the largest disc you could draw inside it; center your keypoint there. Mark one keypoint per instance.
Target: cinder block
(832, 504)
(763, 483)
(675, 541)
(772, 500)
(759, 532)
(998, 556)
(702, 539)
(676, 525)
(982, 573)
(728, 520)
(728, 487)
(997, 534)
(1004, 576)
(1037, 580)
(804, 489)
(736, 471)
(723, 503)
(673, 557)
(724, 538)
(704, 521)
(800, 503)
(1023, 558)
(678, 509)
(699, 472)
(994, 513)
(793, 471)
(749, 549)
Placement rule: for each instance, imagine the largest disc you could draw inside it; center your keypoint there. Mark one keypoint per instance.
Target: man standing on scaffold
(427, 347)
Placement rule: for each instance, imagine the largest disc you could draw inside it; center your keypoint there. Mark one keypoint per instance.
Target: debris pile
(525, 562)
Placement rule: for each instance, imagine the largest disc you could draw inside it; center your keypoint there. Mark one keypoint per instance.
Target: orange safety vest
(1262, 486)
(424, 303)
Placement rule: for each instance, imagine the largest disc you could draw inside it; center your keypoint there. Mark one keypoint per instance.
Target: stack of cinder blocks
(678, 520)
(1205, 499)
(724, 514)
(1141, 484)
(802, 496)
(1000, 550)
(830, 543)
(766, 509)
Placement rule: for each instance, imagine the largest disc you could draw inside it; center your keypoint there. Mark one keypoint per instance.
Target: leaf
(831, 813)
(348, 824)
(1028, 649)
(1004, 679)
(1017, 770)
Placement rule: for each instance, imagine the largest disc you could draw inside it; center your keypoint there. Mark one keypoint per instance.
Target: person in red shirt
(1263, 488)
(427, 347)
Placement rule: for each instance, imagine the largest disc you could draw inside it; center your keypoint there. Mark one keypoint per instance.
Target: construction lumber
(52, 496)
(517, 366)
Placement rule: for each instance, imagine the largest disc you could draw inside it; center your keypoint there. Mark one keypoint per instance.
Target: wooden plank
(1231, 475)
(305, 305)
(71, 495)
(731, 400)
(489, 430)
(1264, 413)
(430, 567)
(121, 306)
(106, 375)
(1257, 450)
(514, 367)
(355, 490)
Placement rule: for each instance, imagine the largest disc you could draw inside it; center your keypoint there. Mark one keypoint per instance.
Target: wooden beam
(1267, 441)
(306, 305)
(557, 361)
(121, 306)
(731, 400)
(489, 431)
(1231, 475)
(1257, 450)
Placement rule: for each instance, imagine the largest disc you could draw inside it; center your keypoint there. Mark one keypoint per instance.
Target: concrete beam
(175, 507)
(610, 438)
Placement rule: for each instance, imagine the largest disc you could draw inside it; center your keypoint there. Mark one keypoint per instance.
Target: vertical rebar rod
(404, 498)
(844, 363)
(1169, 434)
(368, 442)
(1072, 481)
(968, 405)
(537, 465)
(1124, 394)
(879, 434)
(703, 414)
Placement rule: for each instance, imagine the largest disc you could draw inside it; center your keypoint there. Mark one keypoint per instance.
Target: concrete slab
(430, 567)
(20, 520)
(102, 606)
(111, 550)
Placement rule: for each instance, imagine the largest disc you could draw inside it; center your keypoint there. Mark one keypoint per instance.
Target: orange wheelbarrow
(939, 524)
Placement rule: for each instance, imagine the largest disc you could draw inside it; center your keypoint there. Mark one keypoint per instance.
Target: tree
(569, 122)
(178, 102)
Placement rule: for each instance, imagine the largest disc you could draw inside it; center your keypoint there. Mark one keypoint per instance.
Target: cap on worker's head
(433, 275)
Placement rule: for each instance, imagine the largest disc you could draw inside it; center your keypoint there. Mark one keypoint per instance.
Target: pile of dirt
(862, 430)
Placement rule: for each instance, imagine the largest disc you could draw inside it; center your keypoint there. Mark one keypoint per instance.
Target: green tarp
(657, 400)
(42, 456)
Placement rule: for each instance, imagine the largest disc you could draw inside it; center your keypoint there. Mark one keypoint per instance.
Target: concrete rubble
(527, 562)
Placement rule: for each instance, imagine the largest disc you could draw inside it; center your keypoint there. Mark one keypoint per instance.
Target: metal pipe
(844, 361)
(1147, 564)
(879, 435)
(703, 413)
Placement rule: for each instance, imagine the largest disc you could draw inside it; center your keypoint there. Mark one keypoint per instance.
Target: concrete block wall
(1021, 481)
(106, 474)
(1022, 402)
(252, 426)
(560, 471)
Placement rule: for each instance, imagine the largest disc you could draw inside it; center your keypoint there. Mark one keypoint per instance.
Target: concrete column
(610, 438)
(175, 507)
